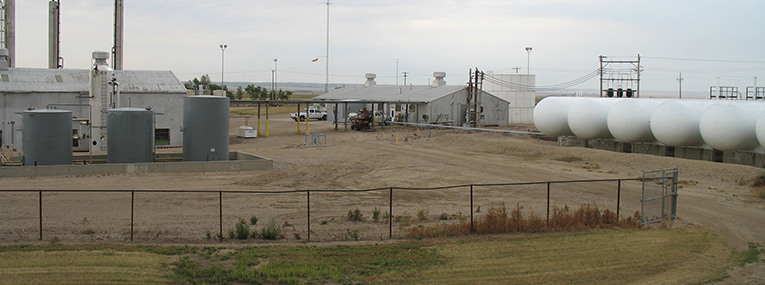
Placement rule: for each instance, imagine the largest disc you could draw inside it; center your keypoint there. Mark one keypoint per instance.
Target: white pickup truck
(313, 113)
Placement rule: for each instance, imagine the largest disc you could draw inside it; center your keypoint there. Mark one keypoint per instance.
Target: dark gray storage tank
(131, 135)
(205, 128)
(47, 137)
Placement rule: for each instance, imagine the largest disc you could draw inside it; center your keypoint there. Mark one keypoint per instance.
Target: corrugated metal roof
(34, 80)
(391, 93)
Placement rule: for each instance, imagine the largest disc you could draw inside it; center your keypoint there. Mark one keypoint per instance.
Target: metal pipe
(132, 211)
(308, 207)
(471, 129)
(472, 228)
(41, 217)
(618, 198)
(220, 212)
(390, 211)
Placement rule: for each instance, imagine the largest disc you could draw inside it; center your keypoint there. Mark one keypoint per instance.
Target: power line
(553, 87)
(705, 60)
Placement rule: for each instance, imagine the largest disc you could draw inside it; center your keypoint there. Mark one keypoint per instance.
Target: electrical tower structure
(619, 77)
(475, 110)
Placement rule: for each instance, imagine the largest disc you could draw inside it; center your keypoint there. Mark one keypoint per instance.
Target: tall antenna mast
(119, 22)
(326, 74)
(54, 35)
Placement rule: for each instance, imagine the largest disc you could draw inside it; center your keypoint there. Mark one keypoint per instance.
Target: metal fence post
(390, 210)
(472, 228)
(548, 204)
(41, 232)
(220, 212)
(132, 210)
(618, 198)
(308, 204)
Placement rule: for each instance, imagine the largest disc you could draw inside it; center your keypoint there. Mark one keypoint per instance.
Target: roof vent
(370, 79)
(439, 81)
(4, 54)
(100, 57)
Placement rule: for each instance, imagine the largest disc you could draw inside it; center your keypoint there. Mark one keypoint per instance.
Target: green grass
(305, 264)
(92, 267)
(624, 256)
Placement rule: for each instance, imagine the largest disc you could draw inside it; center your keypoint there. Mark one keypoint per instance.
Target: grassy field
(286, 108)
(624, 256)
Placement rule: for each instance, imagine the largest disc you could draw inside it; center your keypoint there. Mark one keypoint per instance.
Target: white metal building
(518, 90)
(68, 89)
(437, 103)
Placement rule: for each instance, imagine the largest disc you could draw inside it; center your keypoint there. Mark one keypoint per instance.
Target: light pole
(276, 78)
(222, 61)
(680, 81)
(528, 59)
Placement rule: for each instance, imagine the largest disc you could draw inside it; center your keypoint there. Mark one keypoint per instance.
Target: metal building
(518, 90)
(68, 89)
(437, 103)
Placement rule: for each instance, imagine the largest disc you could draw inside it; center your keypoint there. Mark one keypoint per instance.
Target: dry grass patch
(92, 267)
(500, 220)
(616, 257)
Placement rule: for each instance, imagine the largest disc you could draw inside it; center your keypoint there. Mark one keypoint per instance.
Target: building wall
(13, 104)
(521, 102)
(495, 111)
(446, 110)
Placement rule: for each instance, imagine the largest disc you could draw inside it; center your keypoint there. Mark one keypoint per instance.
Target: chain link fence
(301, 215)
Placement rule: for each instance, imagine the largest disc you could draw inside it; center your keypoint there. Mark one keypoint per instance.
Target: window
(162, 136)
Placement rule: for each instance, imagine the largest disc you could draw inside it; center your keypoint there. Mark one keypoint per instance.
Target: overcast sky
(724, 39)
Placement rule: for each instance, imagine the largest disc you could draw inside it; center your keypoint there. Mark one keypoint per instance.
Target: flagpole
(326, 74)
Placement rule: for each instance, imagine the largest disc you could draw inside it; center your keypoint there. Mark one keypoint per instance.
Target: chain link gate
(659, 200)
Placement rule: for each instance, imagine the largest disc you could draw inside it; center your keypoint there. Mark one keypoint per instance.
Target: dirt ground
(714, 196)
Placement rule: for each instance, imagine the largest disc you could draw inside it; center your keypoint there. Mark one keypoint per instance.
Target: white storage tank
(630, 120)
(131, 135)
(205, 128)
(47, 137)
(731, 125)
(551, 116)
(588, 117)
(676, 122)
(760, 129)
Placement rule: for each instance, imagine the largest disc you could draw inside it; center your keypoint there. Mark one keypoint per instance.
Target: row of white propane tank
(723, 125)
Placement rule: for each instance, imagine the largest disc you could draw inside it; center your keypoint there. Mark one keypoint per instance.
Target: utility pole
(405, 73)
(680, 81)
(516, 69)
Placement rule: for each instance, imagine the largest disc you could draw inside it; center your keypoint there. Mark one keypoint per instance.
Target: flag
(315, 59)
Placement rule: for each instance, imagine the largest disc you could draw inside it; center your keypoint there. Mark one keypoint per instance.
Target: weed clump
(271, 231)
(759, 186)
(242, 230)
(355, 215)
(422, 214)
(376, 214)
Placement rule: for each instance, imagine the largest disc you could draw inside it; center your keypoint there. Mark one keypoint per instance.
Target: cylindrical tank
(731, 125)
(131, 135)
(47, 137)
(760, 129)
(551, 116)
(630, 120)
(205, 128)
(588, 117)
(676, 122)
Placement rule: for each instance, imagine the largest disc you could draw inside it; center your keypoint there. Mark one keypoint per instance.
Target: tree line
(251, 91)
